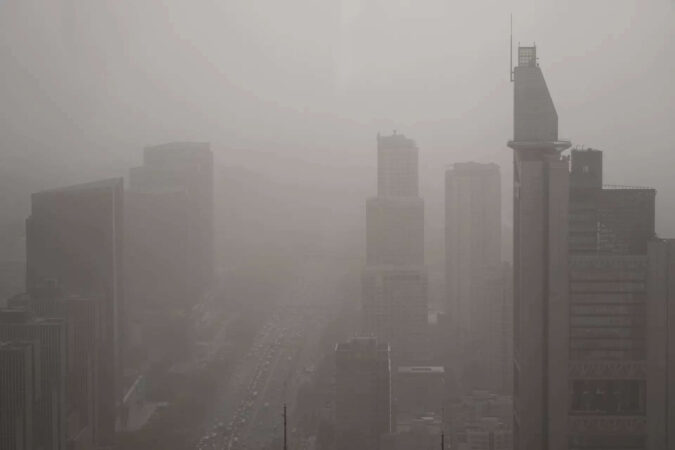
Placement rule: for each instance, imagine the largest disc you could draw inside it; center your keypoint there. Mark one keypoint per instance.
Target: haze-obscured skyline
(297, 90)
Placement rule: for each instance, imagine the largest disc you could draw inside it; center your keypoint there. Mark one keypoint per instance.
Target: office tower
(621, 278)
(74, 239)
(541, 314)
(474, 274)
(660, 344)
(179, 176)
(19, 390)
(82, 319)
(362, 393)
(395, 280)
(49, 338)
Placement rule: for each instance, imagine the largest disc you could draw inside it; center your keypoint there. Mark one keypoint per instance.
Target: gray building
(541, 305)
(19, 391)
(620, 278)
(592, 326)
(395, 279)
(362, 393)
(177, 179)
(74, 239)
(49, 339)
(475, 280)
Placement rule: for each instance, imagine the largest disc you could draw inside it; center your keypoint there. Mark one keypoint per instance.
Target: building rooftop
(395, 140)
(421, 369)
(108, 183)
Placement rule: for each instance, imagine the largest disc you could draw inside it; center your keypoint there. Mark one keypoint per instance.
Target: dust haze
(292, 96)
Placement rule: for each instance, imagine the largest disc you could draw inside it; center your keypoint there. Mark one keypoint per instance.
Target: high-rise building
(593, 331)
(49, 338)
(395, 279)
(362, 393)
(474, 274)
(541, 306)
(169, 253)
(19, 390)
(179, 178)
(74, 238)
(82, 319)
(620, 325)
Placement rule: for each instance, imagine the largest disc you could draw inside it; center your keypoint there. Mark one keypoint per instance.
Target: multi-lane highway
(249, 412)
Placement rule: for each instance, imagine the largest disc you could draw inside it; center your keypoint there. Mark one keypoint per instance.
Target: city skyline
(260, 226)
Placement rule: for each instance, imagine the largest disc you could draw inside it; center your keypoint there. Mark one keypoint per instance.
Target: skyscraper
(541, 306)
(48, 337)
(74, 238)
(19, 390)
(620, 324)
(395, 280)
(177, 180)
(474, 275)
(362, 393)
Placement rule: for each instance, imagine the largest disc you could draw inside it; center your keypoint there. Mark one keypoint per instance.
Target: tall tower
(541, 307)
(74, 237)
(180, 175)
(395, 281)
(474, 275)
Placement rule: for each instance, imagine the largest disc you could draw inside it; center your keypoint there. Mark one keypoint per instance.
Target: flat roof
(421, 369)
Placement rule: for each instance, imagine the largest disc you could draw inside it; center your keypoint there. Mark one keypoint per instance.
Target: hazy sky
(85, 84)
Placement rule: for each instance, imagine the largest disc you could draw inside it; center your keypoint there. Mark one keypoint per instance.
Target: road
(249, 413)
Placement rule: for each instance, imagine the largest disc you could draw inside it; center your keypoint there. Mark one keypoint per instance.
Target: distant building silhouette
(169, 236)
(74, 238)
(184, 169)
(475, 279)
(541, 306)
(395, 280)
(362, 393)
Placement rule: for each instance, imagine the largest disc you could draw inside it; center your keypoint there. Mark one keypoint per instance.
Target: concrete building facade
(474, 279)
(540, 263)
(74, 238)
(362, 393)
(19, 391)
(49, 339)
(395, 279)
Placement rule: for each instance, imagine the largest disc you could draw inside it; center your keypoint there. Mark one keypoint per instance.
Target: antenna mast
(511, 52)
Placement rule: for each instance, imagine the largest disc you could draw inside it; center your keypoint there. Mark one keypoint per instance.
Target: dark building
(395, 279)
(19, 391)
(619, 321)
(540, 212)
(74, 239)
(82, 319)
(608, 220)
(362, 394)
(49, 339)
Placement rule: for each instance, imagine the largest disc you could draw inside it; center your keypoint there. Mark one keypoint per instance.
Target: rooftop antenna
(511, 52)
